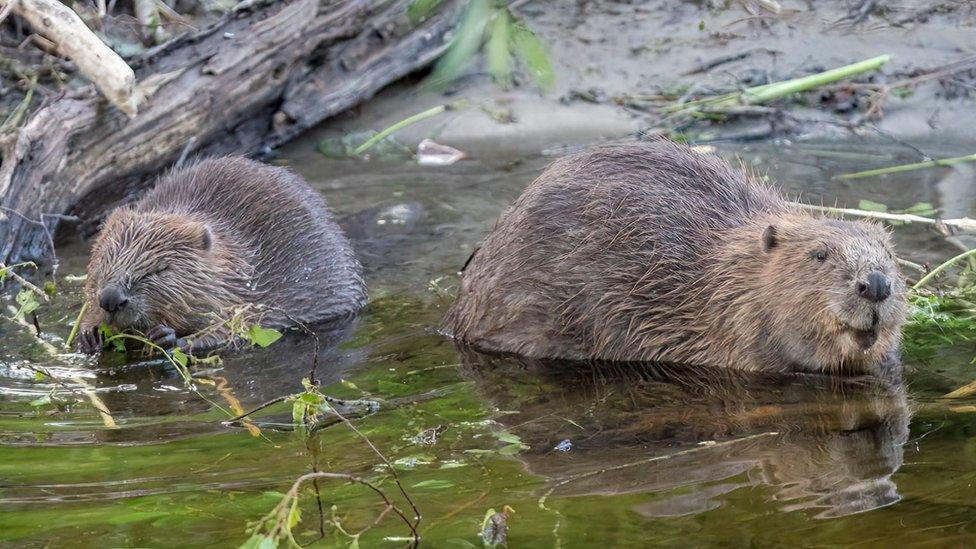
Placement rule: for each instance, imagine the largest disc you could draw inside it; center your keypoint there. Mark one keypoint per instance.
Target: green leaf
(107, 334)
(924, 209)
(180, 357)
(497, 49)
(508, 437)
(41, 401)
(49, 288)
(262, 337)
(467, 41)
(28, 303)
(294, 516)
(512, 449)
(39, 376)
(435, 484)
(312, 399)
(532, 52)
(871, 206)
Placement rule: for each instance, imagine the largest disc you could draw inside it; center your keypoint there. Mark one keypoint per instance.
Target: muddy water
(618, 457)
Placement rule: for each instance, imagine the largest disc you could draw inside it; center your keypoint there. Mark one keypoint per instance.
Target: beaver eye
(820, 255)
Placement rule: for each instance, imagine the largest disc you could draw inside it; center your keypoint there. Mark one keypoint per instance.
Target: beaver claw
(164, 336)
(89, 341)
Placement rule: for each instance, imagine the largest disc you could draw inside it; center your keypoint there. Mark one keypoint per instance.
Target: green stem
(74, 329)
(925, 279)
(909, 167)
(761, 94)
(400, 125)
(776, 90)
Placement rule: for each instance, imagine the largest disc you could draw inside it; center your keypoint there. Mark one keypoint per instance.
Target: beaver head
(150, 268)
(832, 296)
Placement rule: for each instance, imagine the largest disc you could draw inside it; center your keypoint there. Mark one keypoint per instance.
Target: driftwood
(74, 40)
(254, 80)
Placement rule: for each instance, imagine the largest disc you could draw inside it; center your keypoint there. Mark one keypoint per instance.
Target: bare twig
(393, 473)
(964, 224)
(24, 282)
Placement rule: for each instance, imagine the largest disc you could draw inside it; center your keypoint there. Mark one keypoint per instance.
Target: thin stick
(542, 500)
(962, 223)
(293, 492)
(23, 281)
(260, 407)
(909, 167)
(927, 278)
(393, 472)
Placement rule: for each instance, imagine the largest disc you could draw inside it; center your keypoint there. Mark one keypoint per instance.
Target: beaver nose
(875, 288)
(112, 299)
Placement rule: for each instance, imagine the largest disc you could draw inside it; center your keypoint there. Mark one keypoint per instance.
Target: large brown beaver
(652, 252)
(214, 236)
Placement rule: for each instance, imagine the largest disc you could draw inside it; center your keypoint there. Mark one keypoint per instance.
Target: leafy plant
(488, 25)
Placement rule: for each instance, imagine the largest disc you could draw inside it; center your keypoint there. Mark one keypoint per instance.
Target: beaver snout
(112, 299)
(876, 287)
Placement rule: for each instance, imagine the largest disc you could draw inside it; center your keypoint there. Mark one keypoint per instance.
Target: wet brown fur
(219, 234)
(652, 252)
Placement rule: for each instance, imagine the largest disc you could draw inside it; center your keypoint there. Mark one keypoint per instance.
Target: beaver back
(302, 266)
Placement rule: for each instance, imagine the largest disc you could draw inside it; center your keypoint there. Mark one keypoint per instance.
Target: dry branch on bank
(72, 39)
(253, 80)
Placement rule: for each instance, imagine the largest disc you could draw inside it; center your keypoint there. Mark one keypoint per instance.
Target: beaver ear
(769, 239)
(201, 236)
(206, 238)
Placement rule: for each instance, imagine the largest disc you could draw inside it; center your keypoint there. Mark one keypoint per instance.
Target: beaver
(210, 238)
(650, 251)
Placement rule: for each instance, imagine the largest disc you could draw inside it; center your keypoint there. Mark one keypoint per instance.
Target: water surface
(597, 456)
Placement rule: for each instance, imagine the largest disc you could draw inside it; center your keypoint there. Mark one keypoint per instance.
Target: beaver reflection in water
(690, 434)
(652, 252)
(212, 237)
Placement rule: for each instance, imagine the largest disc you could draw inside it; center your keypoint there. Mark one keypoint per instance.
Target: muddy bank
(610, 55)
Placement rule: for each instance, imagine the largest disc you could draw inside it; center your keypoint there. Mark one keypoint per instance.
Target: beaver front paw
(164, 336)
(89, 340)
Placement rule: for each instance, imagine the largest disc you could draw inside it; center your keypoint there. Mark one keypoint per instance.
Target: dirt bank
(606, 54)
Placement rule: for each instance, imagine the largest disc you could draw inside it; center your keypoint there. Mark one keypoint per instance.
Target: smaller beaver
(210, 238)
(653, 252)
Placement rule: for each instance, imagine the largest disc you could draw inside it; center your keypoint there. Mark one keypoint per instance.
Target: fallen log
(255, 79)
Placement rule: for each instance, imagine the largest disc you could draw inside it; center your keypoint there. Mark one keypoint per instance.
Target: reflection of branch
(389, 505)
(87, 389)
(707, 445)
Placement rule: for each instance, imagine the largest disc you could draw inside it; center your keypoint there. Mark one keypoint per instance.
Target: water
(618, 457)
